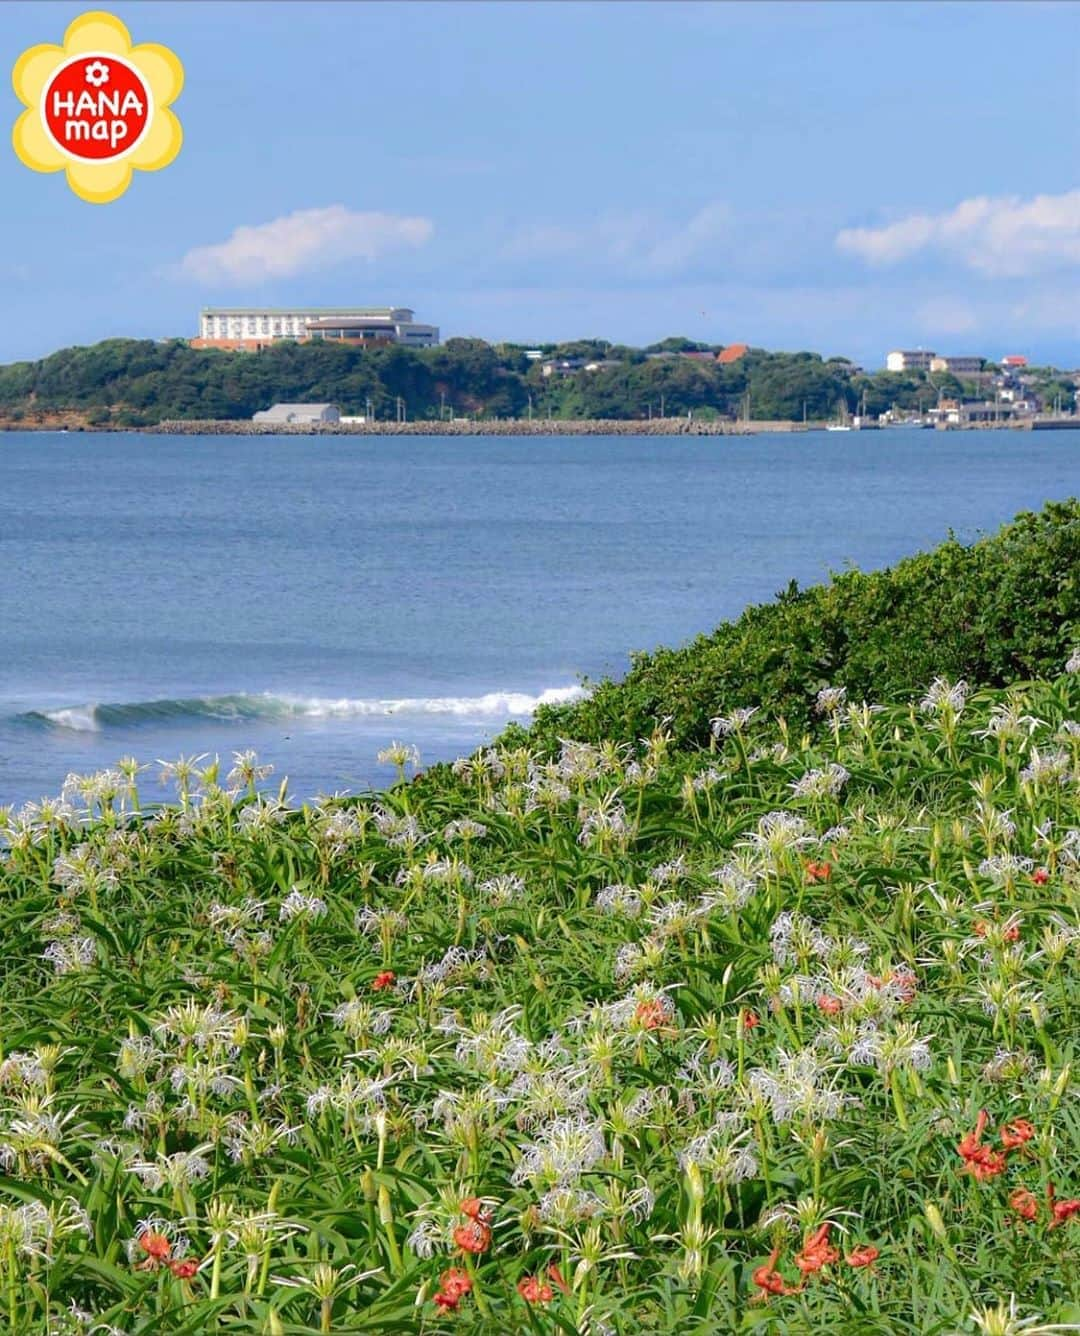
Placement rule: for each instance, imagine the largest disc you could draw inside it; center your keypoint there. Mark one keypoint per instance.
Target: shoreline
(71, 422)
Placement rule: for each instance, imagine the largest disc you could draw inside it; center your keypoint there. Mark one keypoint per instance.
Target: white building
(919, 360)
(296, 414)
(249, 327)
(957, 366)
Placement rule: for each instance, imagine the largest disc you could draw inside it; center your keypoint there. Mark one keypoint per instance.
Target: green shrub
(1002, 608)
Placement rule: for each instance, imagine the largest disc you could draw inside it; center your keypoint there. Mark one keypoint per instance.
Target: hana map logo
(97, 107)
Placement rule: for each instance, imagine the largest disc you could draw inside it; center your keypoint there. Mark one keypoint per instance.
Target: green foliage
(464, 376)
(711, 1033)
(1005, 607)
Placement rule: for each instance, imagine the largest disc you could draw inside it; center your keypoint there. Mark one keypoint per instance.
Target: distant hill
(131, 383)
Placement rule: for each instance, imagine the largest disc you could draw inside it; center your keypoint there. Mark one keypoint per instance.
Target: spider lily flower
(944, 698)
(733, 724)
(864, 1255)
(247, 771)
(824, 783)
(306, 908)
(1005, 1320)
(829, 700)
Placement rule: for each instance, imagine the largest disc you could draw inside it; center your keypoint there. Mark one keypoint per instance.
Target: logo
(97, 108)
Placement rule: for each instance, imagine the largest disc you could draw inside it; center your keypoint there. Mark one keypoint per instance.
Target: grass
(637, 1040)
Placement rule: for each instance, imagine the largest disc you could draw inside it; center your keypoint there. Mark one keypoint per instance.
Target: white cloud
(999, 237)
(634, 241)
(301, 241)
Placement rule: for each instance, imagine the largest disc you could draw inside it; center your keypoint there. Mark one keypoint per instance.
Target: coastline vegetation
(137, 383)
(763, 1027)
(1004, 608)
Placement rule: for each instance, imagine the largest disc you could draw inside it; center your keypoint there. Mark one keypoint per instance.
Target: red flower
(157, 1247)
(383, 980)
(473, 1208)
(185, 1269)
(651, 1015)
(475, 1237)
(1016, 1134)
(533, 1290)
(980, 1160)
(1040, 876)
(818, 872)
(555, 1276)
(817, 1251)
(831, 1006)
(769, 1280)
(1024, 1203)
(454, 1285)
(1060, 1210)
(979, 927)
(865, 1255)
(750, 1020)
(455, 1282)
(906, 983)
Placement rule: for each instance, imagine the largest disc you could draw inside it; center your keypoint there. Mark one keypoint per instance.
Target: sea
(316, 598)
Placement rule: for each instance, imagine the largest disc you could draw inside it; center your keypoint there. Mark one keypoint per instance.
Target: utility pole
(530, 407)
(661, 405)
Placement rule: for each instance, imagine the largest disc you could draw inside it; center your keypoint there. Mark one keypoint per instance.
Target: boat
(843, 423)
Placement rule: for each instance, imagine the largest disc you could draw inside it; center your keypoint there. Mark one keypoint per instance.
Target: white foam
(81, 718)
(491, 703)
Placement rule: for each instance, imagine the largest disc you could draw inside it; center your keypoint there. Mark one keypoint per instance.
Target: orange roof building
(732, 353)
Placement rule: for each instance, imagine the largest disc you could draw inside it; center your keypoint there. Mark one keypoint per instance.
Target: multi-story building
(919, 360)
(957, 366)
(245, 328)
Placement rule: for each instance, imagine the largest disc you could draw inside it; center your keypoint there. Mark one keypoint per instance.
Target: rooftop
(386, 311)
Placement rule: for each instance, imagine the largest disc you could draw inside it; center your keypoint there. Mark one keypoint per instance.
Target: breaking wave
(94, 717)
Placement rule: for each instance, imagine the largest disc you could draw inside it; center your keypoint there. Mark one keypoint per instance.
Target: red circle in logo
(96, 107)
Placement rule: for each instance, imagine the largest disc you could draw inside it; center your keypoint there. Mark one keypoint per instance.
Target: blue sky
(843, 177)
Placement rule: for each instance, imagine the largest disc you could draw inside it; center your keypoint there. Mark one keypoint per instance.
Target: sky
(841, 177)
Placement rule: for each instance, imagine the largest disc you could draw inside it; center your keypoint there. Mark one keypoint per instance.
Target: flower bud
(936, 1223)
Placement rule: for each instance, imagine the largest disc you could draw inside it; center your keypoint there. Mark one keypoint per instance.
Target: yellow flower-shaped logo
(97, 107)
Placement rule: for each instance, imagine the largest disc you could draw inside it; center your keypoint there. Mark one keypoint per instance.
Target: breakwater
(472, 427)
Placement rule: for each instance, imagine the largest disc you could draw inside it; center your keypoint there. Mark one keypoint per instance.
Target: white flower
(830, 699)
(619, 899)
(735, 722)
(1073, 664)
(298, 905)
(97, 74)
(944, 695)
(399, 754)
(825, 783)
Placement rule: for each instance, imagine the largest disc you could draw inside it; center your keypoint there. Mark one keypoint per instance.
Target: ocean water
(317, 598)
